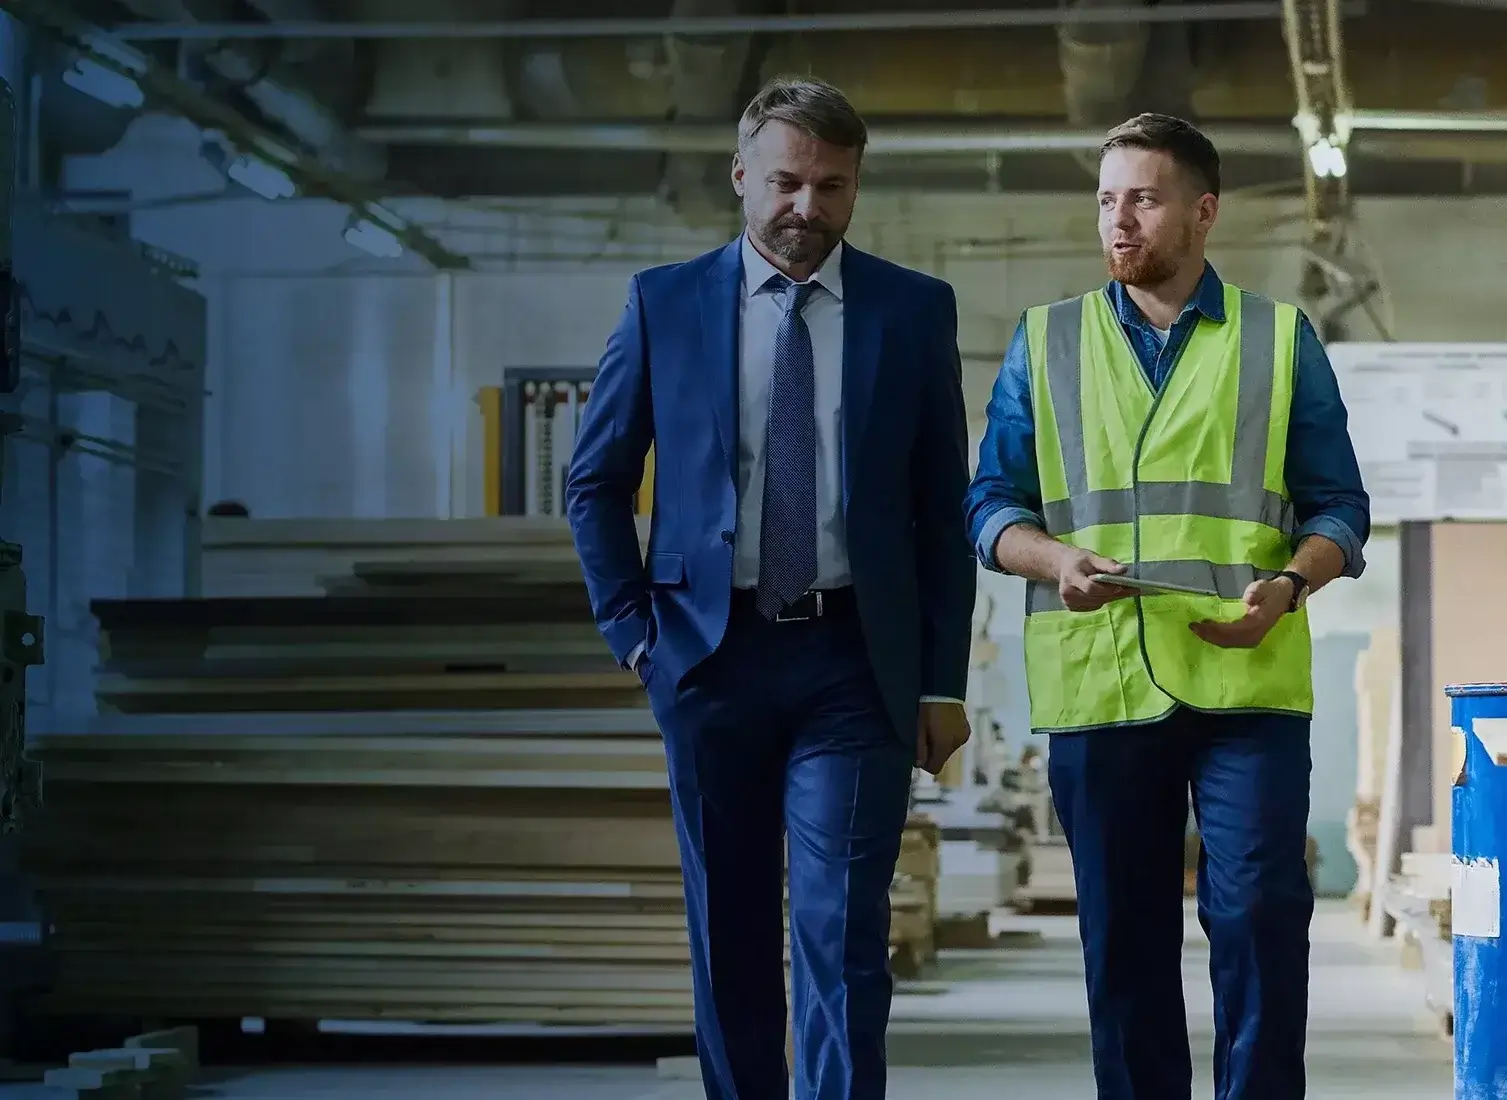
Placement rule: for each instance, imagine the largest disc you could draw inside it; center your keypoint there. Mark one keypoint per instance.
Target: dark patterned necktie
(787, 533)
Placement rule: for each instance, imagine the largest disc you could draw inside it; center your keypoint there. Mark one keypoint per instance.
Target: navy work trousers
(1122, 796)
(782, 731)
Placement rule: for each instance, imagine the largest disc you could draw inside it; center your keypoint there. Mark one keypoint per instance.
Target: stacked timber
(492, 867)
(1045, 874)
(395, 776)
(913, 897)
(296, 557)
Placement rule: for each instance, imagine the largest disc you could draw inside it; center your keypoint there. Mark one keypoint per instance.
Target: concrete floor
(991, 1024)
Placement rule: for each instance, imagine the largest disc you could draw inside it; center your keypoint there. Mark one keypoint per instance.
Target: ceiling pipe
(1481, 146)
(716, 26)
(721, 138)
(1428, 122)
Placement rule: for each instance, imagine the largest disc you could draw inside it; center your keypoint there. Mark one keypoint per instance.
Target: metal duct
(1111, 71)
(462, 78)
(707, 78)
(277, 80)
(1101, 65)
(684, 80)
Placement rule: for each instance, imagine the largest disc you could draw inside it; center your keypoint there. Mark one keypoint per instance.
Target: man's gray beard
(815, 244)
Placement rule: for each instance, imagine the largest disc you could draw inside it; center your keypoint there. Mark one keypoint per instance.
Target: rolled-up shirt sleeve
(1006, 488)
(1323, 474)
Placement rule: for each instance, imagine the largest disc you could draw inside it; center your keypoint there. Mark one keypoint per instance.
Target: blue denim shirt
(1323, 476)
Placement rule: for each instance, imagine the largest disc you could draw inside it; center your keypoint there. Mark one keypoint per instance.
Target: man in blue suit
(802, 618)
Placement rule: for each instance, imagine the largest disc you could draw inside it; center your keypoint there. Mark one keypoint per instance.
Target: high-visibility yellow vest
(1184, 485)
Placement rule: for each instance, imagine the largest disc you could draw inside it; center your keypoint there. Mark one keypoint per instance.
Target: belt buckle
(781, 617)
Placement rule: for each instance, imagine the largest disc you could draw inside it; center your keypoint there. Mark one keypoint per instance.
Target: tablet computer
(1144, 585)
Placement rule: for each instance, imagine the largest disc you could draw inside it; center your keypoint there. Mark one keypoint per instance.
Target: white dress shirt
(761, 309)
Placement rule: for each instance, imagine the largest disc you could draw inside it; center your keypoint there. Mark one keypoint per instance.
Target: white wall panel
(535, 320)
(325, 401)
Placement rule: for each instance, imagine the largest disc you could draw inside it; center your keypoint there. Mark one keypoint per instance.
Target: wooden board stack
(491, 867)
(913, 897)
(428, 795)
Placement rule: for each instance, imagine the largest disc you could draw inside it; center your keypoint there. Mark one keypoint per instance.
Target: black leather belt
(815, 604)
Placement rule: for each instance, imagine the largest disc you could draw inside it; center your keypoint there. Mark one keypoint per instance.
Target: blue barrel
(1479, 827)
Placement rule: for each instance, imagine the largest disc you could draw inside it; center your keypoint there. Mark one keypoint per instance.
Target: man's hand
(1075, 585)
(941, 730)
(1265, 603)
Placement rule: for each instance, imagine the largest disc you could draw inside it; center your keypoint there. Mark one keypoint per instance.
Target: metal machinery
(101, 431)
(20, 633)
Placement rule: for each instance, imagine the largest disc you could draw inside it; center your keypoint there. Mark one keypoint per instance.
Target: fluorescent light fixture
(1327, 158)
(126, 56)
(106, 85)
(370, 237)
(264, 179)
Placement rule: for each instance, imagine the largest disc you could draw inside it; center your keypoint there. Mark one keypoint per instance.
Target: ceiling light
(264, 179)
(106, 85)
(370, 237)
(1327, 158)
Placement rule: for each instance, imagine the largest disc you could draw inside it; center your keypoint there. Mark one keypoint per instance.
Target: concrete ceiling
(467, 97)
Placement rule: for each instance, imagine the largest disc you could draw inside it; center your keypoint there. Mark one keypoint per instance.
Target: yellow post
(490, 400)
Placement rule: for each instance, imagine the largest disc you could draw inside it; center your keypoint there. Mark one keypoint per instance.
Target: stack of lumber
(1045, 876)
(492, 867)
(913, 897)
(298, 557)
(158, 1065)
(392, 775)
(395, 775)
(480, 644)
(1418, 899)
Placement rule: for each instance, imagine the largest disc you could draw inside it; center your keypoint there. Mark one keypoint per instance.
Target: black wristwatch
(1299, 589)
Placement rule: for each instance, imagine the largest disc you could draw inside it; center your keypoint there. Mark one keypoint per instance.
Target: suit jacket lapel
(863, 334)
(720, 293)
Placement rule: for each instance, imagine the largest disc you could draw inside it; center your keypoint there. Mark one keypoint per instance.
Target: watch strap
(1299, 586)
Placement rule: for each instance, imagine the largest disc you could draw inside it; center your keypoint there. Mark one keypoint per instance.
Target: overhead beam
(165, 89)
(704, 26)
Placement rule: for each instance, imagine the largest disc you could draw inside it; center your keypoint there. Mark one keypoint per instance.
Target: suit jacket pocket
(665, 569)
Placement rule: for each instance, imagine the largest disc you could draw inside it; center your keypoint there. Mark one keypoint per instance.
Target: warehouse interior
(330, 786)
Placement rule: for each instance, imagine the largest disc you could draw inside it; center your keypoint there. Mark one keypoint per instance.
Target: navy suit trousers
(782, 733)
(1122, 796)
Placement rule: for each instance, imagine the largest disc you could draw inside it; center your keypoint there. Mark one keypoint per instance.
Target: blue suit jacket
(669, 376)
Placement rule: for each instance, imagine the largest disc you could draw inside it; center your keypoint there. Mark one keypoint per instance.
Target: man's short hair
(1178, 138)
(813, 106)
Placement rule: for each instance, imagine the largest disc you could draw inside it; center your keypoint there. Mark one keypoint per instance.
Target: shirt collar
(757, 271)
(1208, 299)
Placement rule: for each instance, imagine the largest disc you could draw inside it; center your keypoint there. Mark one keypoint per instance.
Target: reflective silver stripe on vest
(1230, 581)
(1246, 498)
(1170, 498)
(1064, 353)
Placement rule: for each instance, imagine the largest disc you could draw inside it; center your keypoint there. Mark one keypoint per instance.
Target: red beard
(1143, 267)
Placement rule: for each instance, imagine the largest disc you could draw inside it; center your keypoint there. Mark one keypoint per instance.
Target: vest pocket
(1275, 675)
(1074, 663)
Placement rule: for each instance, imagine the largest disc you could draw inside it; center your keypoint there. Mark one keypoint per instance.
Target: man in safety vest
(1188, 437)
